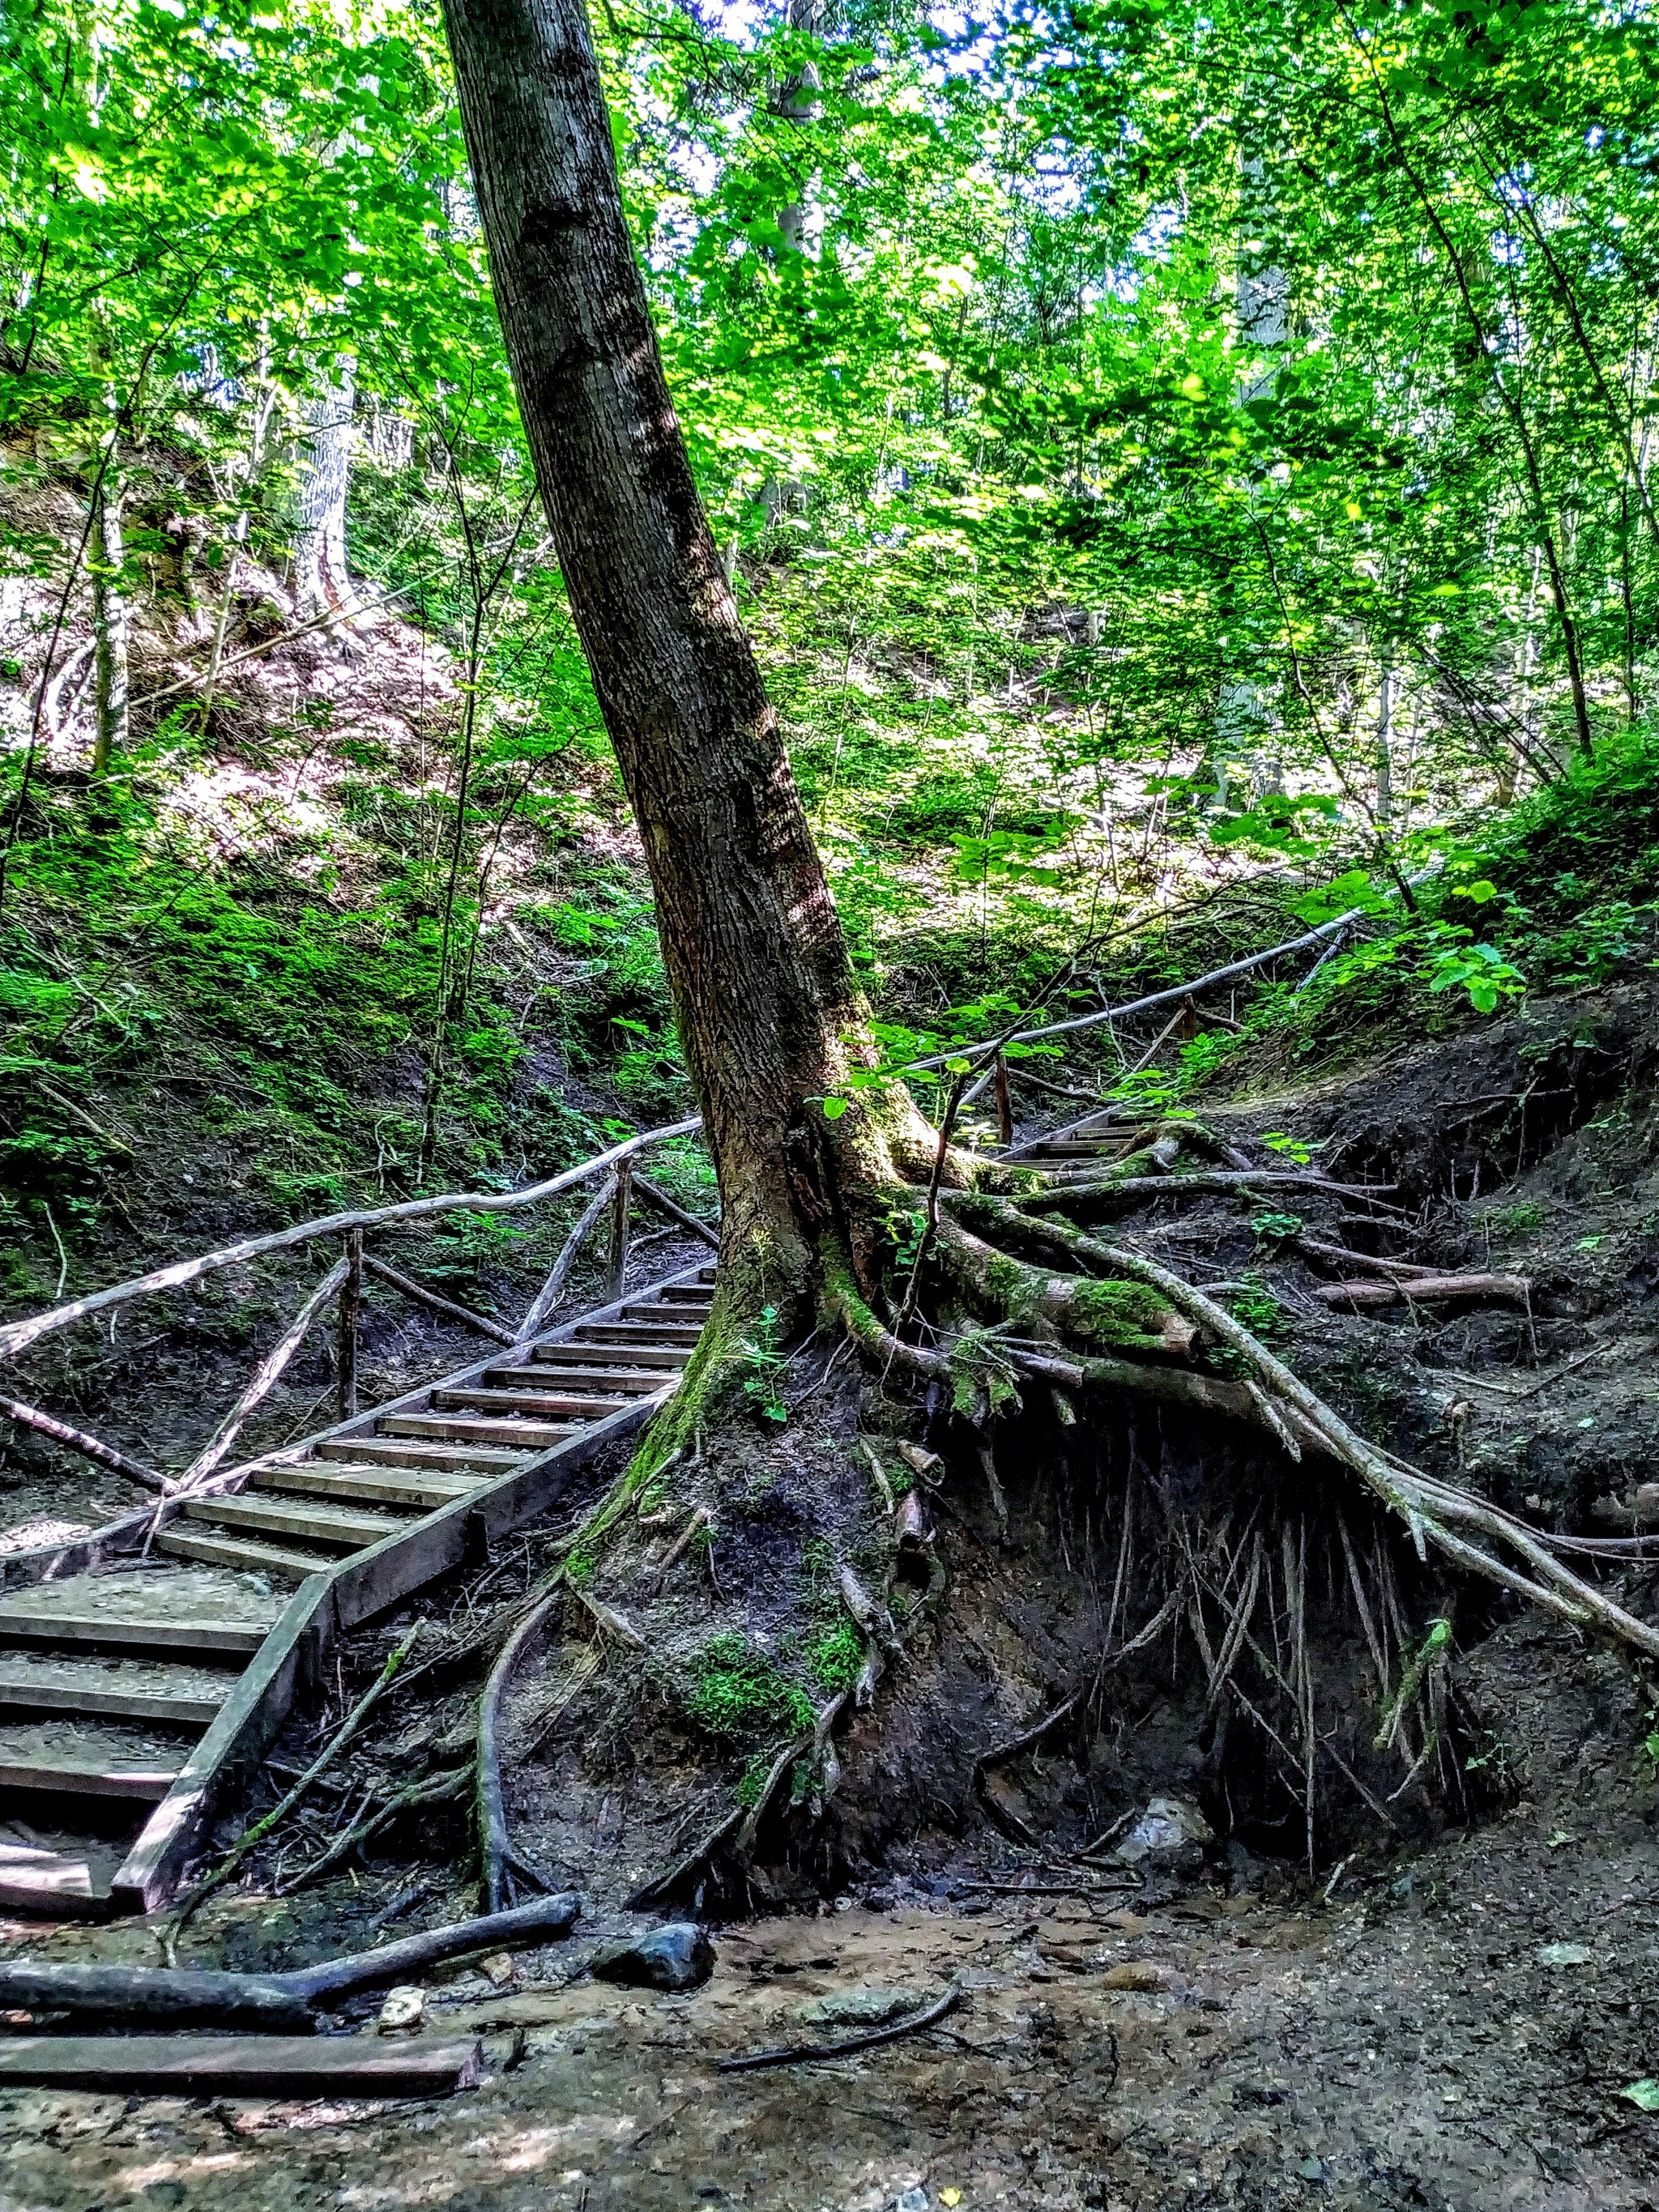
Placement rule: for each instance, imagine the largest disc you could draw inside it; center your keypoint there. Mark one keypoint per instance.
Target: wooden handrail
(16, 1336)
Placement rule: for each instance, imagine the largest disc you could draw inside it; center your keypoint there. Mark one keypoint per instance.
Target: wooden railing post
(352, 1299)
(1004, 1103)
(620, 1205)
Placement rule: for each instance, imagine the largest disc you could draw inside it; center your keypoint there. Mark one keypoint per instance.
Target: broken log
(242, 2065)
(284, 2001)
(1428, 1290)
(159, 1997)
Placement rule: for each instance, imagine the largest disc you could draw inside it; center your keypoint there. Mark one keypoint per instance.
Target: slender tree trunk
(320, 577)
(768, 1009)
(109, 625)
(801, 105)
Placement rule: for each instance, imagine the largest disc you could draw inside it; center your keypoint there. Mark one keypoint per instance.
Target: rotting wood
(77, 1440)
(188, 1998)
(274, 2065)
(447, 1307)
(801, 2054)
(1428, 1290)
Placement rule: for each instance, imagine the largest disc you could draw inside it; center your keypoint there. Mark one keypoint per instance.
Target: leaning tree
(975, 1287)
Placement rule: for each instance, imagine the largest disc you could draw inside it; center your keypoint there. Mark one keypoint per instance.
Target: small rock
(865, 2008)
(404, 2007)
(1565, 1954)
(1171, 1832)
(499, 1970)
(1134, 1974)
(677, 1957)
(913, 2200)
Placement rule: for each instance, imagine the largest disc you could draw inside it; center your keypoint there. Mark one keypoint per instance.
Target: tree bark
(768, 1010)
(109, 626)
(321, 581)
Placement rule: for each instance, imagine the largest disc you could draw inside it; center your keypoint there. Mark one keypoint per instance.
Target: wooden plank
(632, 1380)
(680, 1335)
(84, 1773)
(40, 1626)
(391, 1451)
(181, 1697)
(278, 2066)
(185, 1541)
(231, 1751)
(33, 1880)
(386, 1486)
(476, 1428)
(579, 1406)
(613, 1355)
(315, 1523)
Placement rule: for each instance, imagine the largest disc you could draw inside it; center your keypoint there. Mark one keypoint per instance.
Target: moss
(835, 1655)
(1127, 1315)
(736, 1690)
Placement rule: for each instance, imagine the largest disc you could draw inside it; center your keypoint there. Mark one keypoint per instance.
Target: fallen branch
(1427, 1289)
(279, 1812)
(369, 1824)
(801, 2054)
(77, 1440)
(410, 1289)
(1401, 1270)
(118, 1994)
(1206, 1182)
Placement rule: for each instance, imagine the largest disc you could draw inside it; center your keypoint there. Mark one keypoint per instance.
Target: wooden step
(375, 1485)
(33, 1880)
(47, 1626)
(117, 1689)
(187, 1539)
(409, 1451)
(87, 1761)
(579, 1406)
(611, 1355)
(626, 1382)
(262, 2066)
(676, 1333)
(675, 1318)
(467, 1428)
(349, 1527)
(688, 1294)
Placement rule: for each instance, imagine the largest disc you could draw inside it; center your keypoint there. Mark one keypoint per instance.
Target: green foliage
(736, 1690)
(764, 1364)
(836, 1654)
(1525, 1218)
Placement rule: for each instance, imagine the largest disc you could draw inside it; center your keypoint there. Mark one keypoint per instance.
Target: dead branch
(410, 1289)
(1428, 1290)
(279, 1812)
(368, 1825)
(77, 1440)
(655, 1196)
(1316, 1248)
(801, 2054)
(1193, 1182)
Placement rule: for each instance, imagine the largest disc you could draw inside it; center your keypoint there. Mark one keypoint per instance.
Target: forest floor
(1449, 2031)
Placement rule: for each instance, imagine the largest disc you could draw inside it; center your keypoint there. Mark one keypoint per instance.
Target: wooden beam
(352, 1299)
(553, 1289)
(77, 1440)
(16, 1336)
(278, 2066)
(664, 1204)
(423, 1297)
(265, 1379)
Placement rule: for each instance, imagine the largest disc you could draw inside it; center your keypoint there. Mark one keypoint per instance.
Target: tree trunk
(109, 626)
(321, 582)
(800, 104)
(768, 1010)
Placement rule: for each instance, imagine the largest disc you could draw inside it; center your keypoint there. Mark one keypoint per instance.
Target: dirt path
(1405, 2048)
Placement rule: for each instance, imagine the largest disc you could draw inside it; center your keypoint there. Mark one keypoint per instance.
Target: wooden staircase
(159, 1676)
